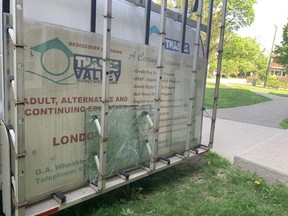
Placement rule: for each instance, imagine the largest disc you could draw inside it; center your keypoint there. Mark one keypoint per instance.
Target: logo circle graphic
(59, 56)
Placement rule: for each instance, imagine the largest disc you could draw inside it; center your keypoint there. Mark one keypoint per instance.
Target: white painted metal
(2, 94)
(157, 99)
(6, 169)
(105, 92)
(12, 136)
(219, 68)
(149, 150)
(98, 126)
(192, 109)
(18, 121)
(84, 193)
(150, 121)
(19, 116)
(96, 158)
(183, 23)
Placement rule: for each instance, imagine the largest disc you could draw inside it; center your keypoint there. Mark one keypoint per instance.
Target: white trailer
(95, 95)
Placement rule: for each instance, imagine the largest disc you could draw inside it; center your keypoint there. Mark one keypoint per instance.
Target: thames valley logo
(55, 62)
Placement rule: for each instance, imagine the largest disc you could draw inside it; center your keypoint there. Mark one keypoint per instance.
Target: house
(277, 69)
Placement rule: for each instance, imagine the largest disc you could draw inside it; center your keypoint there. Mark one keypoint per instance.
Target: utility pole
(270, 57)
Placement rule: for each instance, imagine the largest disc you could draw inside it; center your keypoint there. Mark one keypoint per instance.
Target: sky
(267, 14)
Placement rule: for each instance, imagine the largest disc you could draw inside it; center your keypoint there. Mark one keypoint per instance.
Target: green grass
(209, 185)
(284, 123)
(282, 93)
(232, 97)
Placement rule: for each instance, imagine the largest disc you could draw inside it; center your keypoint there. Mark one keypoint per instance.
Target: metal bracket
(59, 197)
(204, 147)
(180, 156)
(124, 175)
(149, 119)
(17, 156)
(11, 33)
(164, 160)
(19, 205)
(146, 168)
(16, 103)
(194, 151)
(97, 162)
(108, 17)
(97, 123)
(149, 149)
(94, 186)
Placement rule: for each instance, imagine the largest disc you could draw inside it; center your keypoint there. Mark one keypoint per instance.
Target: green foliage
(274, 82)
(242, 55)
(240, 13)
(284, 123)
(282, 50)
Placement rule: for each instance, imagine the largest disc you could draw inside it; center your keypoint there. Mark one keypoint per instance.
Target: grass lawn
(282, 93)
(284, 124)
(209, 185)
(232, 97)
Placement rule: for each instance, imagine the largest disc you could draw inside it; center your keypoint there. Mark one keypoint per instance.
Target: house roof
(275, 65)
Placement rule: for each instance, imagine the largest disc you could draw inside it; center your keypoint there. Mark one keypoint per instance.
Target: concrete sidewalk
(250, 138)
(254, 148)
(267, 159)
(232, 138)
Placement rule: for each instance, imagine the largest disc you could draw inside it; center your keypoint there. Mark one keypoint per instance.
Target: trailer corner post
(219, 68)
(191, 112)
(209, 25)
(105, 92)
(147, 21)
(19, 104)
(207, 52)
(157, 99)
(93, 16)
(183, 27)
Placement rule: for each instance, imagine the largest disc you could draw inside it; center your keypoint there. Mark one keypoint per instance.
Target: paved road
(268, 114)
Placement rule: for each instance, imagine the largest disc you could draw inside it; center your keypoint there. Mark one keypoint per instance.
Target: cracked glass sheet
(128, 131)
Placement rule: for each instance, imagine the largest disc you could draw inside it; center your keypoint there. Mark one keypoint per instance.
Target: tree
(281, 51)
(240, 13)
(242, 55)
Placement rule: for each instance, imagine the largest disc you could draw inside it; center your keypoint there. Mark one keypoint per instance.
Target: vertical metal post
(209, 26)
(192, 110)
(6, 6)
(270, 57)
(157, 99)
(93, 16)
(219, 68)
(105, 92)
(208, 41)
(19, 124)
(147, 21)
(183, 27)
(2, 77)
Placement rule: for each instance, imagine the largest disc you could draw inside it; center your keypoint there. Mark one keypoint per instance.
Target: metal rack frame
(14, 132)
